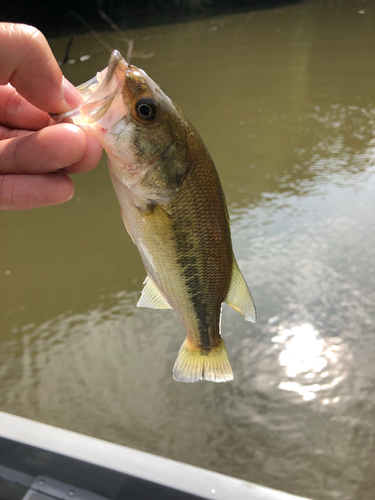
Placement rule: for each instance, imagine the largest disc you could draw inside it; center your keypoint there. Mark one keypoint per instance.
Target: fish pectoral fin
(210, 364)
(239, 296)
(127, 226)
(152, 297)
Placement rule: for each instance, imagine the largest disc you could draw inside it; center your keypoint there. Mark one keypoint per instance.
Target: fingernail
(71, 95)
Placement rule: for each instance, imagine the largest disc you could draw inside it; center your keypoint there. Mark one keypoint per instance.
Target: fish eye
(146, 109)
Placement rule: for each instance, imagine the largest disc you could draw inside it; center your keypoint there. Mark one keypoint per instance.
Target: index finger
(28, 64)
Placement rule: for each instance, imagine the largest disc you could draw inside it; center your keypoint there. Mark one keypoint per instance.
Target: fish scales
(174, 209)
(203, 244)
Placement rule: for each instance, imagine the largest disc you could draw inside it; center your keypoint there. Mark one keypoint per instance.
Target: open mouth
(101, 104)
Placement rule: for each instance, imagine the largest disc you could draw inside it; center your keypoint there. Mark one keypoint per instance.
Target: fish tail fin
(197, 364)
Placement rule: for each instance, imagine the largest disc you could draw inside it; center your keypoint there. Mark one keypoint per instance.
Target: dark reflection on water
(285, 103)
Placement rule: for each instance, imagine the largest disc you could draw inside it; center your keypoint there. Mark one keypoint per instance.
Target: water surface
(284, 100)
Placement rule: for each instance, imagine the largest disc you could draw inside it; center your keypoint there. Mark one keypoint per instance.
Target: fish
(173, 207)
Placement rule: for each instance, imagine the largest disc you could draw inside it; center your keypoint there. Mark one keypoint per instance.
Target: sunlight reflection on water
(307, 357)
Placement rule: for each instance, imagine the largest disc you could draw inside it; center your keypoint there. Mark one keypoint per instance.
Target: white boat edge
(177, 475)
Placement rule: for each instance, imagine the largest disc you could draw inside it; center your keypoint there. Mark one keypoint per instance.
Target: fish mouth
(99, 94)
(102, 80)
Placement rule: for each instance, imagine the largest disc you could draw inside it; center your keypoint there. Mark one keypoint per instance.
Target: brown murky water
(285, 102)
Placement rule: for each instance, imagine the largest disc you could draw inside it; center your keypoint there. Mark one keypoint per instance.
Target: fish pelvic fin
(239, 296)
(152, 297)
(196, 364)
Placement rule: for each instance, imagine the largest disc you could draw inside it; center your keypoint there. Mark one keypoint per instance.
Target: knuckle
(11, 155)
(13, 107)
(7, 185)
(30, 34)
(31, 39)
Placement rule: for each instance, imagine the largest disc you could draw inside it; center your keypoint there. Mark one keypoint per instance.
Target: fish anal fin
(196, 364)
(152, 297)
(239, 296)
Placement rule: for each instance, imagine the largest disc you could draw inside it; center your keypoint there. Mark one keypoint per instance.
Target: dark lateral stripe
(189, 265)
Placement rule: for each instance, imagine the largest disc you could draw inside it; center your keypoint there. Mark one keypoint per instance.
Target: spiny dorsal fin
(210, 364)
(239, 296)
(152, 297)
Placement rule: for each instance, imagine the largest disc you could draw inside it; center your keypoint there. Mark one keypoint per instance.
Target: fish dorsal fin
(239, 296)
(152, 297)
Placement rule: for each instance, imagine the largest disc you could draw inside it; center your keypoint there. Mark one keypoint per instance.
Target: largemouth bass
(174, 210)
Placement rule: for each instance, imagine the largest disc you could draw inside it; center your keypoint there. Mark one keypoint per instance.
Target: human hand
(33, 149)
